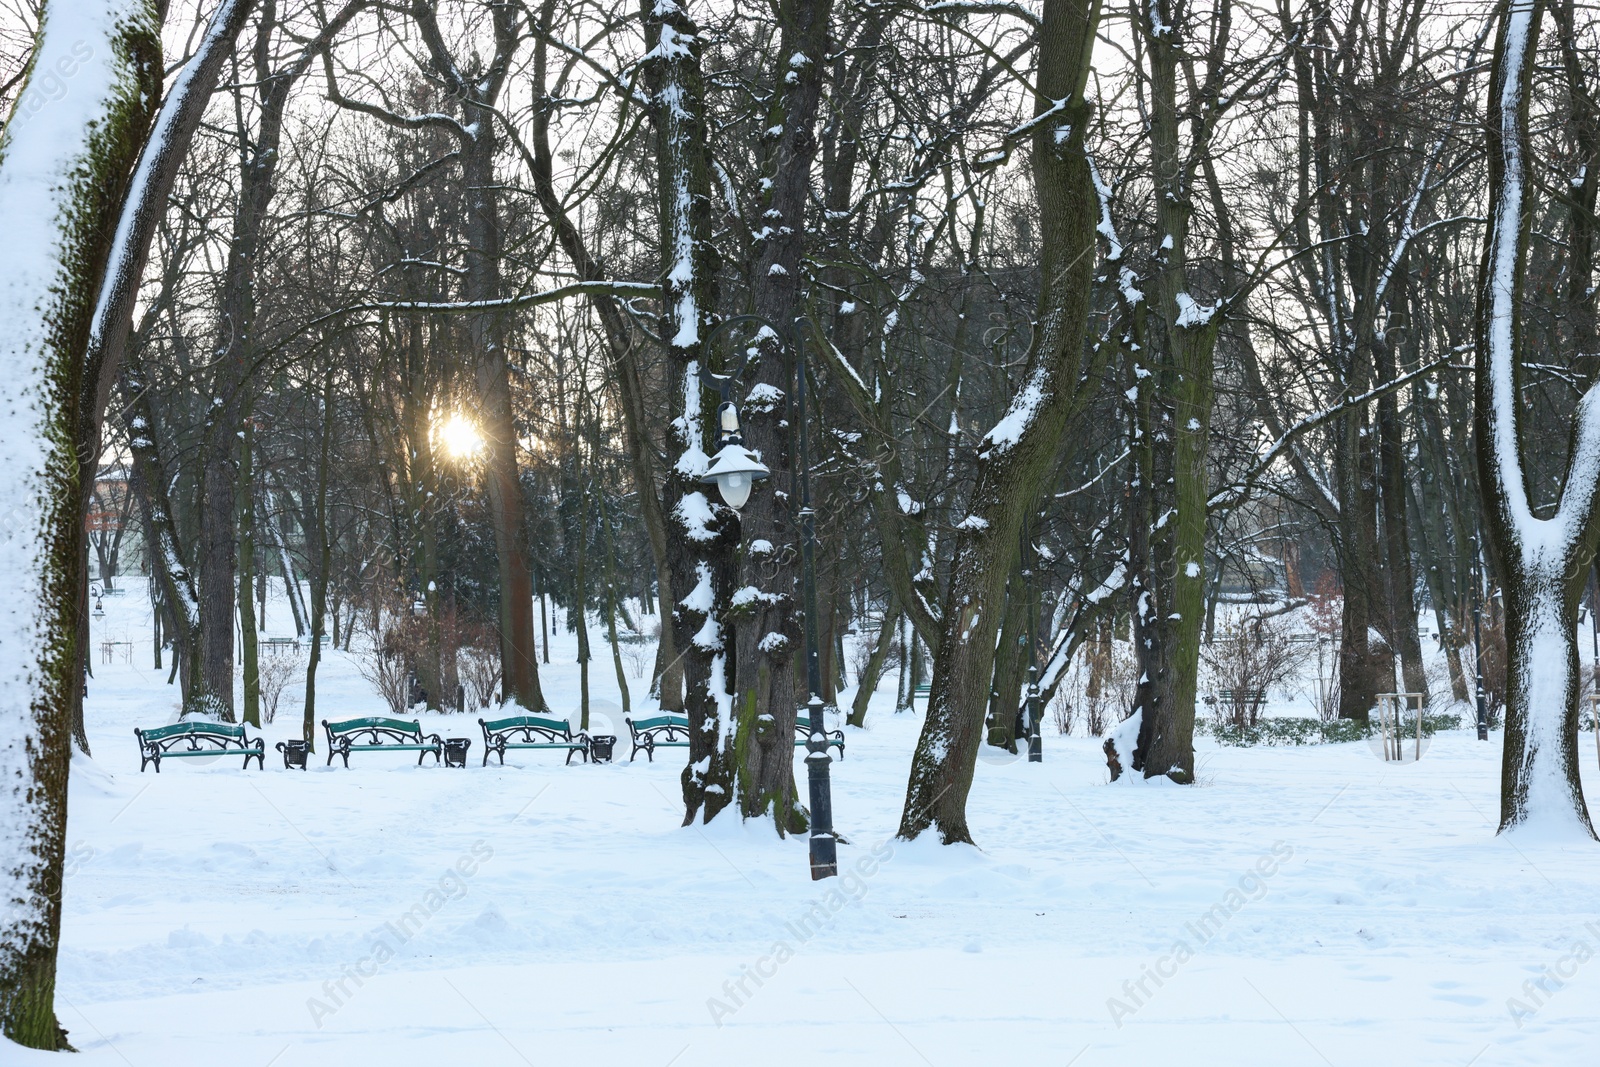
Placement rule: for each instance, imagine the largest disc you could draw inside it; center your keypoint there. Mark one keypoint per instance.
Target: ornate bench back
(524, 727)
(667, 725)
(218, 734)
(375, 729)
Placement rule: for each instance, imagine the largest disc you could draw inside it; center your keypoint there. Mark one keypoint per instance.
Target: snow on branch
(505, 303)
(977, 7)
(1235, 494)
(1543, 542)
(152, 181)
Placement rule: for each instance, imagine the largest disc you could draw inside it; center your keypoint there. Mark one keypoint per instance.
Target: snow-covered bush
(1251, 657)
(276, 667)
(1063, 712)
(1101, 685)
(382, 661)
(479, 668)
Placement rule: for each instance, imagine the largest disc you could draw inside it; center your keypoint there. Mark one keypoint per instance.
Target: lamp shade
(733, 470)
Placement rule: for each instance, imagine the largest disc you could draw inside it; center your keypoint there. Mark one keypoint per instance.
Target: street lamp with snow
(734, 469)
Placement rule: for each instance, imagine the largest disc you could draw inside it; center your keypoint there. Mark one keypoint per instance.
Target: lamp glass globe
(735, 489)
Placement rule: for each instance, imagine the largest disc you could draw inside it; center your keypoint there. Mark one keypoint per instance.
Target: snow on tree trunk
(1018, 451)
(65, 157)
(700, 535)
(1543, 562)
(1181, 332)
(768, 636)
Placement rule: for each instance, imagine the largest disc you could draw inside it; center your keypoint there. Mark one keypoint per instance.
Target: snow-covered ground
(1301, 906)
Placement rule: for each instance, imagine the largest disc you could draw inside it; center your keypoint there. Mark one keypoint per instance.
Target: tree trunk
(518, 655)
(701, 535)
(320, 552)
(906, 691)
(64, 169)
(216, 569)
(1185, 335)
(167, 570)
(867, 684)
(1018, 453)
(245, 508)
(768, 633)
(611, 599)
(1399, 576)
(1009, 667)
(1542, 563)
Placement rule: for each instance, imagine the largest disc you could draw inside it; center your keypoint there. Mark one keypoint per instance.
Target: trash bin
(294, 753)
(455, 751)
(601, 747)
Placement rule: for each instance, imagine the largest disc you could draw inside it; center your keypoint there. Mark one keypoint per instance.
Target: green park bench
(658, 731)
(531, 731)
(198, 738)
(802, 734)
(376, 734)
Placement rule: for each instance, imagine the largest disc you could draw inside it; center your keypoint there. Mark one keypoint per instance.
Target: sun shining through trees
(459, 437)
(1029, 399)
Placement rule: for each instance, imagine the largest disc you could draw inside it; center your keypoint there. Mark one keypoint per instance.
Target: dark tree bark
(700, 534)
(768, 631)
(64, 180)
(1019, 452)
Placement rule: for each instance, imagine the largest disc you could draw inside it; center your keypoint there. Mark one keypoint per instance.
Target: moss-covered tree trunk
(701, 534)
(65, 160)
(1183, 333)
(1017, 454)
(768, 632)
(1010, 666)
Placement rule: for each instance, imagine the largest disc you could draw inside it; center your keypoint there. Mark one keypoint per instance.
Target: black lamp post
(1594, 623)
(733, 469)
(1035, 742)
(1477, 651)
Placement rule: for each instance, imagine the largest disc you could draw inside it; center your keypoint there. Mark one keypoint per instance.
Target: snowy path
(211, 915)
